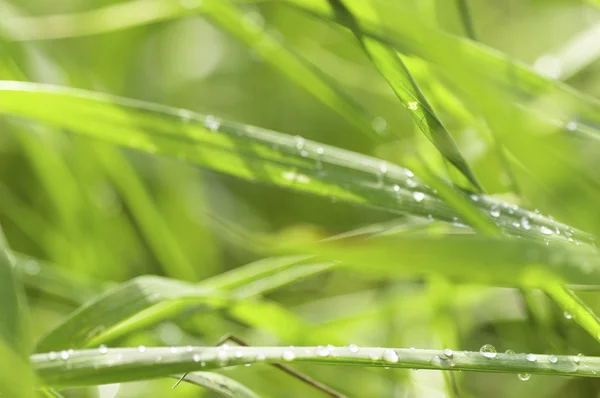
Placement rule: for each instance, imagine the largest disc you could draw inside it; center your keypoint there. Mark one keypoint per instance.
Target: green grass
(348, 186)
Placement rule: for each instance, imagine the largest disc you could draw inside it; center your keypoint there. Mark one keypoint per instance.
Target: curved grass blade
(218, 383)
(51, 393)
(292, 65)
(393, 69)
(147, 300)
(468, 258)
(91, 367)
(15, 374)
(259, 155)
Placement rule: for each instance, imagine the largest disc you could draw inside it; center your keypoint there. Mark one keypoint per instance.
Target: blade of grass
(393, 69)
(90, 367)
(147, 300)
(15, 374)
(218, 383)
(468, 258)
(257, 155)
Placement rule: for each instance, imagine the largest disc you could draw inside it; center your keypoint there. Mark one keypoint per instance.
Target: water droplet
(379, 124)
(576, 359)
(102, 349)
(408, 173)
(531, 357)
(390, 355)
(64, 355)
(413, 106)
(552, 359)
(572, 125)
(525, 223)
(142, 348)
(203, 364)
(174, 350)
(52, 355)
(396, 188)
(474, 197)
(418, 196)
(247, 365)
(495, 213)
(488, 351)
(196, 357)
(411, 183)
(239, 354)
(374, 356)
(322, 351)
(545, 230)
(212, 123)
(288, 355)
(185, 115)
(261, 357)
(412, 348)
(383, 168)
(448, 353)
(158, 359)
(516, 224)
(330, 347)
(353, 348)
(299, 143)
(568, 315)
(524, 376)
(509, 352)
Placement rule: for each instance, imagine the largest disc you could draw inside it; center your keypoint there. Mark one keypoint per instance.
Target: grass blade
(393, 69)
(15, 374)
(89, 367)
(221, 384)
(258, 155)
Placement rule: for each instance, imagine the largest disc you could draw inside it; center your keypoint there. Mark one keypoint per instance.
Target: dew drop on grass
(299, 143)
(552, 359)
(102, 349)
(52, 355)
(448, 353)
(408, 173)
(379, 124)
(374, 356)
(525, 223)
(185, 115)
(411, 183)
(174, 350)
(320, 152)
(331, 348)
(474, 197)
(239, 354)
(509, 352)
(418, 196)
(189, 348)
(568, 315)
(572, 125)
(261, 356)
(64, 355)
(488, 351)
(196, 357)
(353, 348)
(288, 355)
(524, 376)
(413, 106)
(495, 213)
(531, 357)
(390, 355)
(142, 348)
(576, 359)
(322, 351)
(212, 123)
(396, 188)
(545, 230)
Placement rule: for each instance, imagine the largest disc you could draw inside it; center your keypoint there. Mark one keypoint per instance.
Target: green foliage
(147, 214)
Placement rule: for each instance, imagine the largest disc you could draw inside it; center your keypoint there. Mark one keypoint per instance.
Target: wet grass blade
(396, 73)
(258, 155)
(91, 367)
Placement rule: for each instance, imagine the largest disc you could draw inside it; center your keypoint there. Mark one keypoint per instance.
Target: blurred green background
(105, 215)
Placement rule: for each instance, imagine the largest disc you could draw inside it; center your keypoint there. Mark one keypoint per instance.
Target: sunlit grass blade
(148, 300)
(140, 296)
(257, 154)
(468, 258)
(89, 367)
(396, 73)
(221, 384)
(292, 65)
